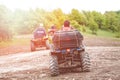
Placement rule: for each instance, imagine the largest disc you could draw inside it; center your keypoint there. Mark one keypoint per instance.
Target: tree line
(24, 22)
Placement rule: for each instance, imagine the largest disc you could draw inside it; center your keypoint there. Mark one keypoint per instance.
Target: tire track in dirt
(105, 65)
(22, 61)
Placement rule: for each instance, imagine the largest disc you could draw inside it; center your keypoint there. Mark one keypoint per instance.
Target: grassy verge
(22, 40)
(100, 33)
(15, 41)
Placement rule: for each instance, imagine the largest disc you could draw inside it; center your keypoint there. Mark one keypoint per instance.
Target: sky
(65, 5)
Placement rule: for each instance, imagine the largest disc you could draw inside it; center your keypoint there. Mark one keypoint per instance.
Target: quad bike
(38, 43)
(69, 56)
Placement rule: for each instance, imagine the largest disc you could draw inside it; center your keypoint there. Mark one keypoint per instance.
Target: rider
(39, 31)
(66, 26)
(52, 30)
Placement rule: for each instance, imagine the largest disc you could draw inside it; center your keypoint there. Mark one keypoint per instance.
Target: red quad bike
(68, 51)
(39, 42)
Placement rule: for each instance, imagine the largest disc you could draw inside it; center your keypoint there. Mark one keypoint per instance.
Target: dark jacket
(39, 32)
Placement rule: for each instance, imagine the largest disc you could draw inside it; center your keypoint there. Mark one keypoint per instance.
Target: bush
(83, 28)
(93, 26)
(5, 35)
(117, 35)
(78, 26)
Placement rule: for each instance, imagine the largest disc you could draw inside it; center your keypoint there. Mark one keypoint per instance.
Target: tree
(77, 16)
(75, 25)
(93, 26)
(60, 17)
(5, 32)
(112, 21)
(99, 19)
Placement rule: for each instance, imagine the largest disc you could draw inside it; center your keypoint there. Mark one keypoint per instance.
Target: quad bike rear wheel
(54, 69)
(32, 46)
(85, 61)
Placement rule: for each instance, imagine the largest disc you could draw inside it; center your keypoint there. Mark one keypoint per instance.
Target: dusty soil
(25, 65)
(14, 49)
(88, 41)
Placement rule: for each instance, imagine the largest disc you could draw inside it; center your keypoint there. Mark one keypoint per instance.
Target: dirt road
(18, 63)
(105, 65)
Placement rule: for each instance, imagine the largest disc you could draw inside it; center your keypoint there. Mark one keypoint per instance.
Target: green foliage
(93, 26)
(5, 32)
(99, 19)
(78, 17)
(112, 21)
(59, 16)
(83, 28)
(24, 22)
(75, 24)
(117, 35)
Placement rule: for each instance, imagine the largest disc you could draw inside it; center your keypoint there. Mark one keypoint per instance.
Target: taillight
(68, 50)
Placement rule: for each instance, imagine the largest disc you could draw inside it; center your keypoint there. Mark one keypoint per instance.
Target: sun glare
(65, 5)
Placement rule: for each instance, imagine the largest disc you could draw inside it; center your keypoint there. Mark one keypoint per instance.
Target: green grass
(15, 42)
(100, 33)
(105, 33)
(4, 43)
(25, 39)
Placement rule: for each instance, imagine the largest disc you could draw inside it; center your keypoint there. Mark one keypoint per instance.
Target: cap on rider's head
(66, 23)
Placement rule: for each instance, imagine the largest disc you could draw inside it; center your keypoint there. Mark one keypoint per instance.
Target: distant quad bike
(39, 40)
(67, 51)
